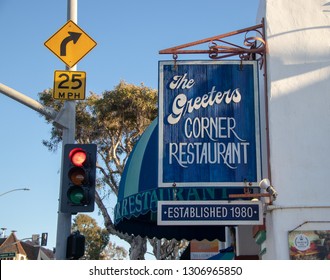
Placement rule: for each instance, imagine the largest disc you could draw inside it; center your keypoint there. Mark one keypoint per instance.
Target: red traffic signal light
(78, 178)
(78, 156)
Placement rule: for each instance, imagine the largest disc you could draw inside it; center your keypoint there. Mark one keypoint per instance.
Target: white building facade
(297, 33)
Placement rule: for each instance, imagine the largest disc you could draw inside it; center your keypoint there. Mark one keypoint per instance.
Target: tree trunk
(138, 248)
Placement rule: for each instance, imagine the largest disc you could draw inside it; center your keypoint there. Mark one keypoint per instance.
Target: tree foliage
(97, 245)
(114, 252)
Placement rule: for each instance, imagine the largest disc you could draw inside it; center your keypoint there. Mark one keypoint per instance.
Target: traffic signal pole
(64, 219)
(68, 137)
(66, 120)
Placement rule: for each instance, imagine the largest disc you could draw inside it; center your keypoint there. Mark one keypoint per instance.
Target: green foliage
(123, 112)
(114, 252)
(97, 244)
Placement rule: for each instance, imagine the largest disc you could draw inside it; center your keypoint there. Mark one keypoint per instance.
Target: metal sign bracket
(218, 48)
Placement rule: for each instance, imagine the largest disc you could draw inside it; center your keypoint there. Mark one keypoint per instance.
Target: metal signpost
(70, 44)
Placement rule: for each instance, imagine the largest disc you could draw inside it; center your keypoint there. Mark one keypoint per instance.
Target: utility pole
(65, 119)
(68, 137)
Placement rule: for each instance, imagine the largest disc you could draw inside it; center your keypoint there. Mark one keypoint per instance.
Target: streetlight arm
(33, 104)
(23, 189)
(27, 101)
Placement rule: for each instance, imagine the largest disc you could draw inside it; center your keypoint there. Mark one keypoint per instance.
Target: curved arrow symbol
(73, 36)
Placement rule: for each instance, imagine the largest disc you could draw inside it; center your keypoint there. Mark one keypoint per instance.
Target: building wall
(298, 70)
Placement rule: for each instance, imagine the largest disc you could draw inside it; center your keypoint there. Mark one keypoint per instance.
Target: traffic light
(78, 178)
(44, 237)
(75, 247)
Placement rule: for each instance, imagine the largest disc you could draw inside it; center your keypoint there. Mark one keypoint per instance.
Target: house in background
(12, 248)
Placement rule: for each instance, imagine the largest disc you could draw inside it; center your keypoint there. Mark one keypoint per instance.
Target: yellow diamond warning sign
(70, 43)
(69, 85)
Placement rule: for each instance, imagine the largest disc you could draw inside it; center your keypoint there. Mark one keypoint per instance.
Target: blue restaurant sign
(209, 131)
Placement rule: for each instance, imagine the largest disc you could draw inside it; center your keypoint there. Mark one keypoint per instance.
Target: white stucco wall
(298, 69)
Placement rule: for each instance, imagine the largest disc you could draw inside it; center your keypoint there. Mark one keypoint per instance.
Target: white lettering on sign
(223, 144)
(220, 127)
(181, 105)
(229, 154)
(181, 212)
(181, 81)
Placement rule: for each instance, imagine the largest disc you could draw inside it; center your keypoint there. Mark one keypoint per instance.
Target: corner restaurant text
(226, 146)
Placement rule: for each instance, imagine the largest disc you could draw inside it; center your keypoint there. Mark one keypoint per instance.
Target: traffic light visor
(78, 156)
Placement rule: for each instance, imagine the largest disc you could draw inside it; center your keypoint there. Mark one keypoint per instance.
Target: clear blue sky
(129, 35)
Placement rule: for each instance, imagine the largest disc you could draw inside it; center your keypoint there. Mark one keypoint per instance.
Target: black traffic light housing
(44, 238)
(78, 178)
(75, 247)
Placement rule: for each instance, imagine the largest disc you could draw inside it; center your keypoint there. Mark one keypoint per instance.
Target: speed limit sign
(69, 85)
